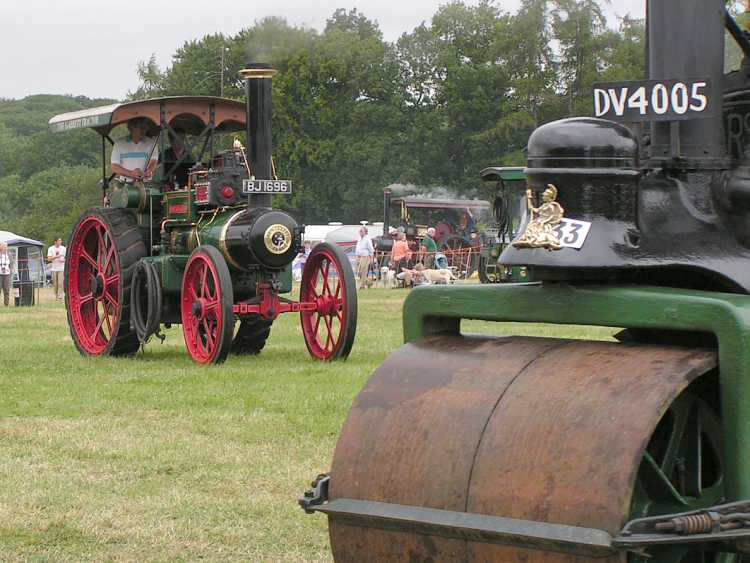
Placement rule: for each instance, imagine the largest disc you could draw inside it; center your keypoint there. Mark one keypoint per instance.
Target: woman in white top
(56, 258)
(7, 267)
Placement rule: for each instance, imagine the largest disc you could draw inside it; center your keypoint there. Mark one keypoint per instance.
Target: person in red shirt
(401, 254)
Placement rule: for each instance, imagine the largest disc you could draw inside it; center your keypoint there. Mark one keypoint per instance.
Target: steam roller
(521, 449)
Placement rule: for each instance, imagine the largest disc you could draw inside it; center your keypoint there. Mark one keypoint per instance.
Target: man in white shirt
(364, 253)
(7, 267)
(135, 157)
(56, 258)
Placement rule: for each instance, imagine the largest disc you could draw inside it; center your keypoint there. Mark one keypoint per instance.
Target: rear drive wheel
(328, 281)
(206, 305)
(103, 250)
(252, 335)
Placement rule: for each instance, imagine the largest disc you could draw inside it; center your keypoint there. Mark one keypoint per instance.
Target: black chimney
(258, 85)
(686, 40)
(386, 241)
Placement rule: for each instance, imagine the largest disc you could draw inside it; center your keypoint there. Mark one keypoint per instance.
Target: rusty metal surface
(412, 433)
(528, 428)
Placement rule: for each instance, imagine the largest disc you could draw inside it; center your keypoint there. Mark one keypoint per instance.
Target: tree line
(352, 111)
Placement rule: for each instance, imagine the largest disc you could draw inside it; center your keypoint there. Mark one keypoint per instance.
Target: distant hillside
(30, 115)
(46, 179)
(27, 146)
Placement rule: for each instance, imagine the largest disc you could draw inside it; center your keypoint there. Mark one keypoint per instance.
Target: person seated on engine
(466, 223)
(134, 157)
(177, 158)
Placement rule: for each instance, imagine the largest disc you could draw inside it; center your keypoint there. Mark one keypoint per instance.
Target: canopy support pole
(104, 167)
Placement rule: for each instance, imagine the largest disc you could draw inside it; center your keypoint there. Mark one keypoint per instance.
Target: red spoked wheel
(206, 305)
(104, 246)
(328, 281)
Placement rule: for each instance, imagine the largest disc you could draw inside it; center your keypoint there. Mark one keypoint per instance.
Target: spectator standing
(7, 267)
(56, 258)
(429, 248)
(400, 255)
(364, 253)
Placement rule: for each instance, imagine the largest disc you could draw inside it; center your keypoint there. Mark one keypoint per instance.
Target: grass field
(154, 458)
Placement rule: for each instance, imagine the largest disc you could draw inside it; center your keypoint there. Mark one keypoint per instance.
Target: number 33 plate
(572, 233)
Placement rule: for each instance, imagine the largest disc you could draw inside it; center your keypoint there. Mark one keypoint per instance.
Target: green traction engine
(518, 449)
(199, 243)
(508, 209)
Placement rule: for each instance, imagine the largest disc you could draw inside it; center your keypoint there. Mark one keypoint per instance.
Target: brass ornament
(278, 239)
(540, 231)
(223, 239)
(192, 239)
(141, 195)
(255, 73)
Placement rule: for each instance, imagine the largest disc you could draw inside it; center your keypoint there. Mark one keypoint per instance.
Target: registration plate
(654, 100)
(266, 186)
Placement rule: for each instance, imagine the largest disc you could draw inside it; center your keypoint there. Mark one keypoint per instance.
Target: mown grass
(154, 458)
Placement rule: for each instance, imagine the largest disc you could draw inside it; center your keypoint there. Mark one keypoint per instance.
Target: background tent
(30, 262)
(343, 236)
(346, 236)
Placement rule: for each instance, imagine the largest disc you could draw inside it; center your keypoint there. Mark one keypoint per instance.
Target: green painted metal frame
(437, 310)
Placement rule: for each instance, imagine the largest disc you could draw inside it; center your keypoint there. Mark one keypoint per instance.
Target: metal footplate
(727, 523)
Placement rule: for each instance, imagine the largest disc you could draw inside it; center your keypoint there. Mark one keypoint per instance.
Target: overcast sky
(92, 47)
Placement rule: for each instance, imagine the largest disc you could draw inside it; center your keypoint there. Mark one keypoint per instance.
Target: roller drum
(529, 428)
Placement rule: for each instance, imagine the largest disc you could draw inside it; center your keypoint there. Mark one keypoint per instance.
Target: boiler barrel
(253, 237)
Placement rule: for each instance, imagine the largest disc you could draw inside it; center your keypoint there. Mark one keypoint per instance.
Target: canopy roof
(14, 239)
(440, 203)
(506, 173)
(192, 112)
(432, 196)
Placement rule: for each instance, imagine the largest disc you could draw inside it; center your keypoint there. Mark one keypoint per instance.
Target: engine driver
(177, 157)
(134, 158)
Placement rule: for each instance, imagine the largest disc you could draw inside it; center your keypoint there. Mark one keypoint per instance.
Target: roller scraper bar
(559, 538)
(726, 523)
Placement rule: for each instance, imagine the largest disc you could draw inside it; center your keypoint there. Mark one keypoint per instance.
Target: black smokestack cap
(258, 87)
